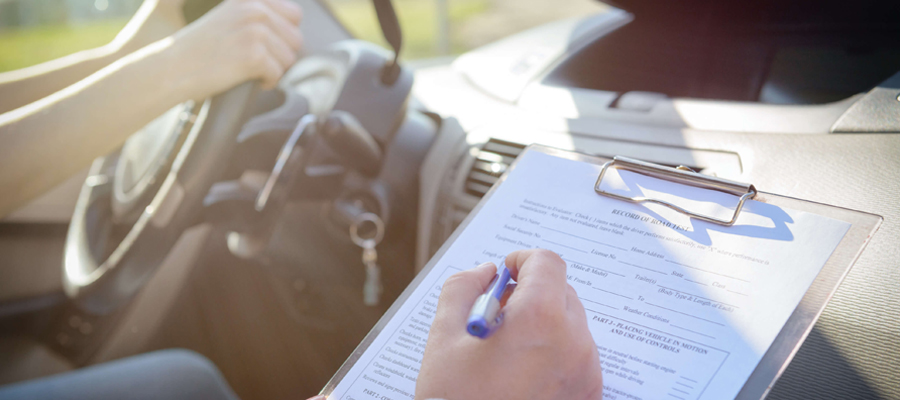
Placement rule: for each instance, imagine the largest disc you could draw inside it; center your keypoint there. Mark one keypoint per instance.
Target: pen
(485, 315)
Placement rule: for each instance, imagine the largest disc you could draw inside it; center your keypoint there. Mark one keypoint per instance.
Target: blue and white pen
(485, 315)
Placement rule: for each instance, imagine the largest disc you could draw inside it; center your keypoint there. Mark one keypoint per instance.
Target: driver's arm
(154, 20)
(45, 142)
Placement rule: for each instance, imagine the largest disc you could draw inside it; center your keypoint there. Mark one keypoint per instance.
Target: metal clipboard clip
(683, 175)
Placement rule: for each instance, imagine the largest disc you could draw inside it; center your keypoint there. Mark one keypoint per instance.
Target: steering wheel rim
(101, 284)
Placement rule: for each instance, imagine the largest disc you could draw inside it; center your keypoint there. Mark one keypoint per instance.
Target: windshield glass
(434, 28)
(35, 31)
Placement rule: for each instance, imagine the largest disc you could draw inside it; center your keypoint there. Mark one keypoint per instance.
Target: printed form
(679, 308)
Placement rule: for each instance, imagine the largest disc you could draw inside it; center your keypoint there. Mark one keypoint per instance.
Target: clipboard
(799, 324)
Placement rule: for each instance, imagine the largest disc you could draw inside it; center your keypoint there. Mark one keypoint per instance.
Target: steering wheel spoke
(280, 120)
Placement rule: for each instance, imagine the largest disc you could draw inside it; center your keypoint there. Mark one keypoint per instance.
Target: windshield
(434, 28)
(35, 31)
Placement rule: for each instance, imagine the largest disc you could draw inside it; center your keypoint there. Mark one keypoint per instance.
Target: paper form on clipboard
(679, 308)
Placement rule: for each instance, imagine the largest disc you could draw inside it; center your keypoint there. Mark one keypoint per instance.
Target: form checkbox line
(583, 238)
(699, 297)
(613, 293)
(685, 385)
(684, 313)
(708, 271)
(597, 303)
(566, 246)
(645, 268)
(592, 267)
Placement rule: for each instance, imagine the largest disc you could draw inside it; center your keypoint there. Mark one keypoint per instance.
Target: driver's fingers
(279, 50)
(271, 72)
(288, 9)
(289, 33)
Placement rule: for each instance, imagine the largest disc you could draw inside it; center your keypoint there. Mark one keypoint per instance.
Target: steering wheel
(136, 203)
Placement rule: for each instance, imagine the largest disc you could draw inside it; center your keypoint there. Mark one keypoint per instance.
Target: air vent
(492, 161)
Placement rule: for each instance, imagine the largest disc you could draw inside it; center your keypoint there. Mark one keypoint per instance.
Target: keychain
(372, 286)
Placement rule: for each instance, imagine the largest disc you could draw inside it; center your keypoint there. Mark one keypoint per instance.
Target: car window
(434, 28)
(35, 31)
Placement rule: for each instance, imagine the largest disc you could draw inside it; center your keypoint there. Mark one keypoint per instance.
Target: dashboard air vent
(492, 161)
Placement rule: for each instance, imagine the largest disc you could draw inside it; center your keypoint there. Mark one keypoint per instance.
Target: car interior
(235, 226)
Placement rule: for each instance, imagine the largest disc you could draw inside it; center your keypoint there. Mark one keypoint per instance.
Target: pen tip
(477, 329)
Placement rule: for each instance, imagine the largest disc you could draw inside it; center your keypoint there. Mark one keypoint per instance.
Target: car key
(372, 286)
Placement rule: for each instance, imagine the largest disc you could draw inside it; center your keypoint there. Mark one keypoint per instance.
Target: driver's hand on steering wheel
(236, 41)
(544, 349)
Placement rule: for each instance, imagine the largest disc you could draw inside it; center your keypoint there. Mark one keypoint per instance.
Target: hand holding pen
(543, 350)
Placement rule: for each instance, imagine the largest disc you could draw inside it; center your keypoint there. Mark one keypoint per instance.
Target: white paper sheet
(679, 308)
